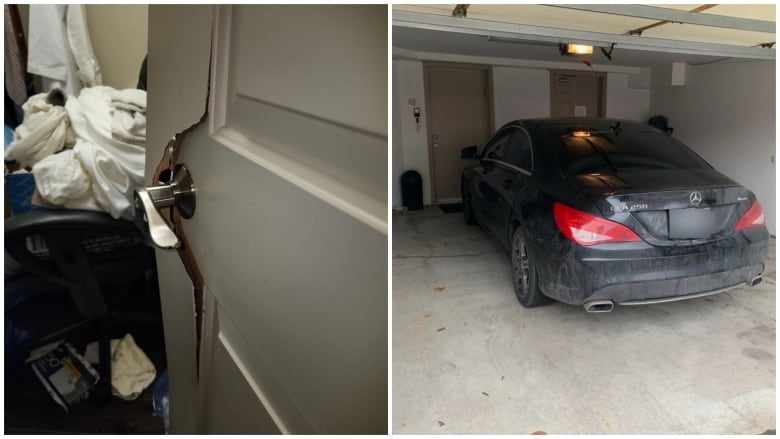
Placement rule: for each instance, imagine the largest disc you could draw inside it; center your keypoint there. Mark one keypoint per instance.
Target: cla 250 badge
(628, 207)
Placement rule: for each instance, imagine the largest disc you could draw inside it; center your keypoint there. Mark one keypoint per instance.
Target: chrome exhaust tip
(755, 281)
(599, 306)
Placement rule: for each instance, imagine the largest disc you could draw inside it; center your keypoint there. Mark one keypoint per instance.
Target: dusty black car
(598, 212)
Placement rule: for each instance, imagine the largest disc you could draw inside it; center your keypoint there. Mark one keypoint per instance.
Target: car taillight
(586, 229)
(752, 217)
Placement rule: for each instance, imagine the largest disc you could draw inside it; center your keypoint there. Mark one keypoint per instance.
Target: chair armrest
(65, 220)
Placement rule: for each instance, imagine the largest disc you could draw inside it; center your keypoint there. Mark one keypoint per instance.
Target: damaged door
(289, 229)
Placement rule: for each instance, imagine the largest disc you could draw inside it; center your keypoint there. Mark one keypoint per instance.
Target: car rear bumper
(638, 273)
(640, 293)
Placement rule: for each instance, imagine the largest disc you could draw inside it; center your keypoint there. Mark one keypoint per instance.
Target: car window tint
(631, 148)
(519, 151)
(496, 149)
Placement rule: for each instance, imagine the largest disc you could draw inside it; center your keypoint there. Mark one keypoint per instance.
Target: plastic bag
(160, 399)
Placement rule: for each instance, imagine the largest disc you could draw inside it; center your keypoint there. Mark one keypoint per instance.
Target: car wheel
(468, 208)
(524, 273)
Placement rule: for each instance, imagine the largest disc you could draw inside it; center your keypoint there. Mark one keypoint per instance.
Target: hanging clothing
(60, 50)
(15, 56)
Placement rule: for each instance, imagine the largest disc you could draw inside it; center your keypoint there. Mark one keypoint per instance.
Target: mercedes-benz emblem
(695, 198)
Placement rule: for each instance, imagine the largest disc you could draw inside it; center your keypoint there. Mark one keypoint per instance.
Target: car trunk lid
(669, 206)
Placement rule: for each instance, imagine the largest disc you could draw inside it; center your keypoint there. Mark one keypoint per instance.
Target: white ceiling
(424, 40)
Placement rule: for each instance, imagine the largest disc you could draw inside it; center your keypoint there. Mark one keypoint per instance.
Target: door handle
(178, 192)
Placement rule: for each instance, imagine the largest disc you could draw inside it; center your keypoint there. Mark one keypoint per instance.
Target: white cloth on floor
(131, 369)
(45, 130)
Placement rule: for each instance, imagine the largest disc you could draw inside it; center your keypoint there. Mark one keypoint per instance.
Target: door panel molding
(344, 165)
(276, 403)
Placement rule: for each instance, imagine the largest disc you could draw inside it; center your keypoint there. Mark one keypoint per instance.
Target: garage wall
(520, 93)
(413, 147)
(625, 102)
(726, 113)
(398, 153)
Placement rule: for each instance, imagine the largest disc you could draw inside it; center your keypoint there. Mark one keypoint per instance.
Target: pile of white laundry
(88, 154)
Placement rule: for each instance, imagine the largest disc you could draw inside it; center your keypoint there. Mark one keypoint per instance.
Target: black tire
(468, 208)
(524, 273)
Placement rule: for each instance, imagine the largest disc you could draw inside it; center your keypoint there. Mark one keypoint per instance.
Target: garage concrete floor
(468, 358)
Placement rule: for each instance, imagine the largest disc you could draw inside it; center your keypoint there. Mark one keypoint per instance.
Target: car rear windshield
(587, 149)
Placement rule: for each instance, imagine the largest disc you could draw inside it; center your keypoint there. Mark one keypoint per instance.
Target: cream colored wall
(119, 37)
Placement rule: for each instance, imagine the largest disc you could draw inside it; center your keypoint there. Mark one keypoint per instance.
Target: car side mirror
(469, 153)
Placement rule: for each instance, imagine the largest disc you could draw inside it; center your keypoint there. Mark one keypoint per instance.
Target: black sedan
(598, 212)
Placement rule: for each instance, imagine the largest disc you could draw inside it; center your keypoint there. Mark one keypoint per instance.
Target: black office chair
(91, 257)
(75, 267)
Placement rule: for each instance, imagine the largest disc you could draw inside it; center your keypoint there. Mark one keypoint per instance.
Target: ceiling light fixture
(575, 49)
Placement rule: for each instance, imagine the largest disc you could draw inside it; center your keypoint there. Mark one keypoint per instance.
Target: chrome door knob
(179, 192)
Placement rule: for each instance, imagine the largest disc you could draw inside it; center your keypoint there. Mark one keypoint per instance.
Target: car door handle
(179, 192)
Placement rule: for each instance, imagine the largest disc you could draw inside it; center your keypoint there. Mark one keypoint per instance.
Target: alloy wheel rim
(521, 266)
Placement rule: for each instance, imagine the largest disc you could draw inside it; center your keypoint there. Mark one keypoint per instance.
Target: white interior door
(290, 225)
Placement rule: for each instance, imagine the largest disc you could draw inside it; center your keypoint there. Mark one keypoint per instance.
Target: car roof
(577, 122)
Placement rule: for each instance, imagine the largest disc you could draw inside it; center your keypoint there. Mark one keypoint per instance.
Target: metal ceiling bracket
(460, 11)
(608, 53)
(495, 29)
(673, 15)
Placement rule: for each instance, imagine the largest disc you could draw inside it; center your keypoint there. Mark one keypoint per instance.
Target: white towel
(45, 130)
(62, 181)
(131, 99)
(112, 187)
(129, 126)
(128, 108)
(131, 370)
(115, 166)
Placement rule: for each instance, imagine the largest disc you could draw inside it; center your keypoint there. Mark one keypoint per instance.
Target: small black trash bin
(411, 190)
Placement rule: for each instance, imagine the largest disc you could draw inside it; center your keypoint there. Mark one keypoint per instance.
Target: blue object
(9, 135)
(20, 191)
(160, 398)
